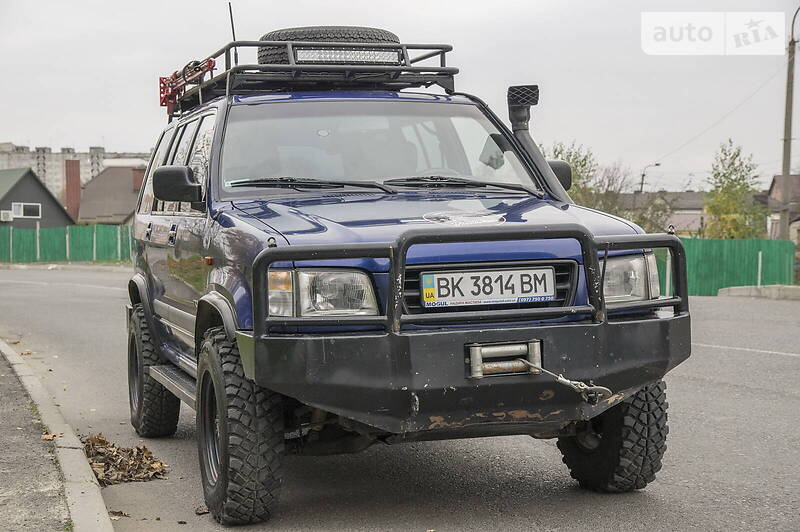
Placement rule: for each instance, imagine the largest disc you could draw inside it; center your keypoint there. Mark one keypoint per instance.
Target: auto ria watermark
(714, 33)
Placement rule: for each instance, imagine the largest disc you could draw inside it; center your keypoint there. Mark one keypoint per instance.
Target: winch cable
(590, 393)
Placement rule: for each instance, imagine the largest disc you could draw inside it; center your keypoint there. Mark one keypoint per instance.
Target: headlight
(321, 293)
(335, 293)
(631, 278)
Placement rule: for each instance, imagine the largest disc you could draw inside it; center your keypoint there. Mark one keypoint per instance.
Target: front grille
(565, 270)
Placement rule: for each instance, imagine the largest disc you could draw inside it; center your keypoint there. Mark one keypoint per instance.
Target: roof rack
(310, 65)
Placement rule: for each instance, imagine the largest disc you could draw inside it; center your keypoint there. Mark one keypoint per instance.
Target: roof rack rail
(310, 65)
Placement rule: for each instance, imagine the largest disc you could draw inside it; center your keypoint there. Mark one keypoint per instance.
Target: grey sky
(83, 73)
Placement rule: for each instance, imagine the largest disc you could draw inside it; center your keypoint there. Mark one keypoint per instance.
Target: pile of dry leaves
(112, 464)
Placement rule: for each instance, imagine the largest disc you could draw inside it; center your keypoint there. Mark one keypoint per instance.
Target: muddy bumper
(420, 381)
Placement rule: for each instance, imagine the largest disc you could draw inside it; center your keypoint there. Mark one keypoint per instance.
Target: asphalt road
(733, 459)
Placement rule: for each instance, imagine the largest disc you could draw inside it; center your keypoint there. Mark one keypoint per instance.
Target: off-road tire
(632, 441)
(154, 410)
(246, 439)
(278, 55)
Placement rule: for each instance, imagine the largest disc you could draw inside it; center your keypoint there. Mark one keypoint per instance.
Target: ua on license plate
(490, 287)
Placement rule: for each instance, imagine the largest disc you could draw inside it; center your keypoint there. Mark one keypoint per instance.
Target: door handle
(148, 231)
(173, 232)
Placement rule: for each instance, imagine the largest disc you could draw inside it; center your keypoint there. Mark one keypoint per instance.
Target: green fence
(713, 264)
(76, 243)
(5, 248)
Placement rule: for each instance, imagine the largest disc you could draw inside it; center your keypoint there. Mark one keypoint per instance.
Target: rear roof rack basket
(189, 87)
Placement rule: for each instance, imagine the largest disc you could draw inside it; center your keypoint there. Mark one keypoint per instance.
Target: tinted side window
(201, 154)
(175, 143)
(178, 156)
(182, 151)
(146, 204)
(160, 206)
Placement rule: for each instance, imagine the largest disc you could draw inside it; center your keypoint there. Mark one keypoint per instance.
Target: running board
(182, 385)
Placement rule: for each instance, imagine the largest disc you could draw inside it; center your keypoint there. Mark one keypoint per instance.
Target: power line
(723, 117)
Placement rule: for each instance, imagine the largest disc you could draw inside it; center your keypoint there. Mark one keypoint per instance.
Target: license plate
(489, 287)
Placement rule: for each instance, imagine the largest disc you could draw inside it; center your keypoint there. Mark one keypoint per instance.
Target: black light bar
(355, 57)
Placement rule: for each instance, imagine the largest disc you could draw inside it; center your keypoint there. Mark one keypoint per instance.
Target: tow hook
(590, 393)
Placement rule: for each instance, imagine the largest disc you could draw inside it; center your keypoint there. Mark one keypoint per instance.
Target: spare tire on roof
(277, 55)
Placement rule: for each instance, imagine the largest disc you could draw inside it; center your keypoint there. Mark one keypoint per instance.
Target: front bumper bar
(402, 381)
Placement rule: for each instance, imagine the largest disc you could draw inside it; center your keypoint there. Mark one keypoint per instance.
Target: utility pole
(786, 171)
(644, 173)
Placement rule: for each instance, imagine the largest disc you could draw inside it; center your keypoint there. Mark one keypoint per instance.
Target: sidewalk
(31, 485)
(773, 291)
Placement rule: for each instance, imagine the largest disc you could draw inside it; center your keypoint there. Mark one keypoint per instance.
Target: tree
(602, 188)
(732, 210)
(584, 169)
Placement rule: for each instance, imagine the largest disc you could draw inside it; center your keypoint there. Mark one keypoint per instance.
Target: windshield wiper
(302, 182)
(449, 181)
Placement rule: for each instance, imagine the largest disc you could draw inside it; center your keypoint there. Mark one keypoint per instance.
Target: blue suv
(334, 249)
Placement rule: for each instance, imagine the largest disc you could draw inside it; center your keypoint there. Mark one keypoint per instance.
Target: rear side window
(147, 202)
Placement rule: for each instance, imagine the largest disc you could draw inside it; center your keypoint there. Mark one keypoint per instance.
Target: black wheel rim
(134, 373)
(210, 428)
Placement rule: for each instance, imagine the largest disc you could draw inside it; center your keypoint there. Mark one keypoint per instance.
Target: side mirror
(520, 99)
(176, 183)
(563, 172)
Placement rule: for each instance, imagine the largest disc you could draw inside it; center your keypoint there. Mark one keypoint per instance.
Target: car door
(165, 220)
(185, 258)
(146, 256)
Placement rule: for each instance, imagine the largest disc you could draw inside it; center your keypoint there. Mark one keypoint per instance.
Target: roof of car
(349, 95)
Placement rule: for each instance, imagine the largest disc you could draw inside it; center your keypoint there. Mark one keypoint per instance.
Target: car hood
(349, 218)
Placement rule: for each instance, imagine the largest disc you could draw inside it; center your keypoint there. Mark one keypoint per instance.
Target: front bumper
(406, 382)
(419, 381)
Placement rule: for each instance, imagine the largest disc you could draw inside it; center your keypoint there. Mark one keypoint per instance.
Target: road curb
(85, 502)
(772, 291)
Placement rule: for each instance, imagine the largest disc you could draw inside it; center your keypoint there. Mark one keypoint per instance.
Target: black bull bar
(394, 319)
(366, 377)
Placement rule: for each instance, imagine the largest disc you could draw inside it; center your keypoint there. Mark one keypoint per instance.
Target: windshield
(366, 141)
